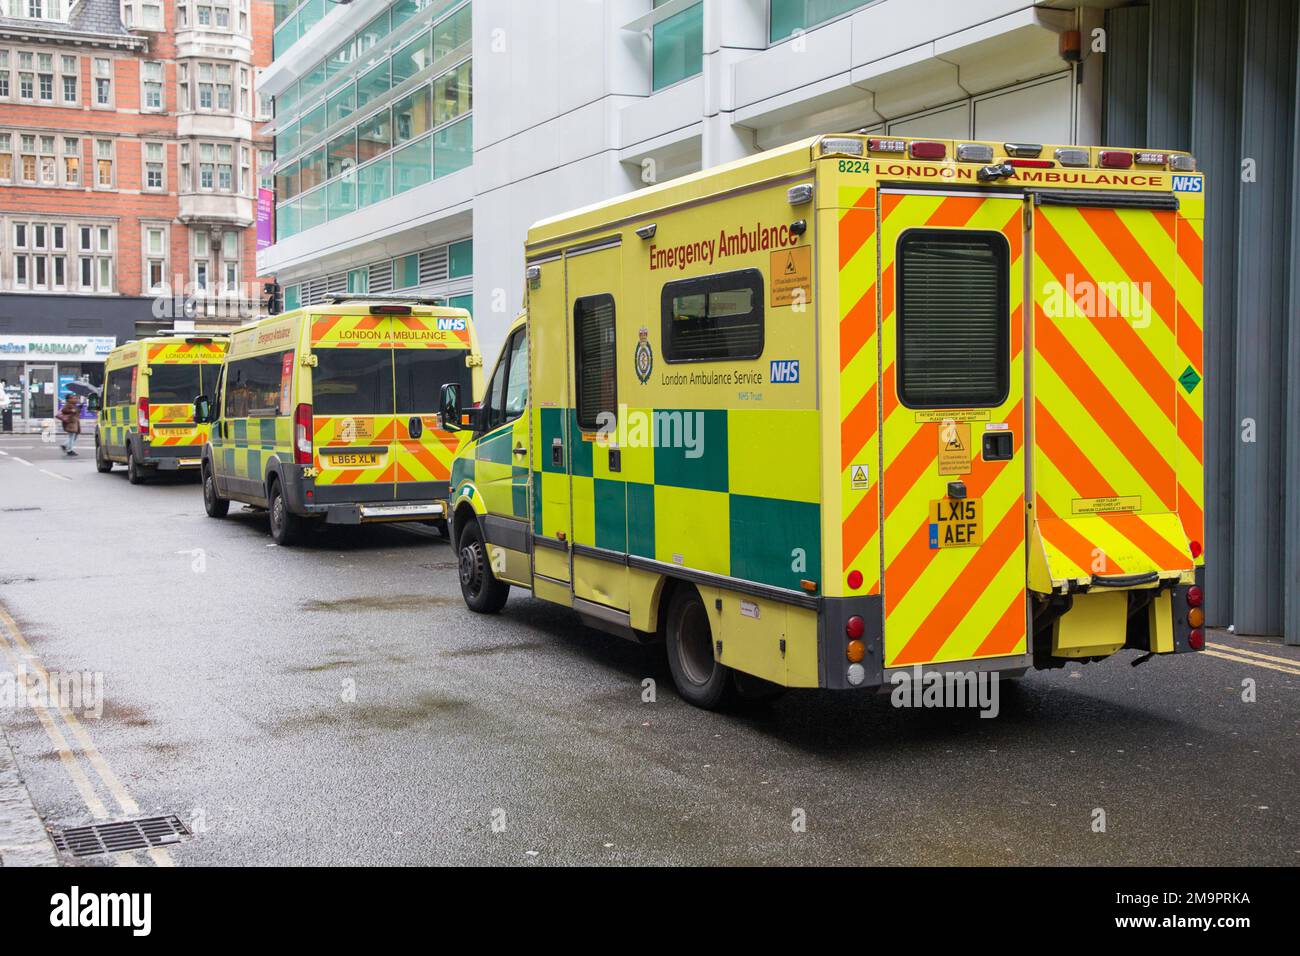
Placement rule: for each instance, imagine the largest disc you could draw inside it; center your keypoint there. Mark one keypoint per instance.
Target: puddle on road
(318, 668)
(401, 602)
(451, 714)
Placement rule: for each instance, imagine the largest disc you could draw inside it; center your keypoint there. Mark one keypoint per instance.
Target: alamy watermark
(922, 689)
(75, 691)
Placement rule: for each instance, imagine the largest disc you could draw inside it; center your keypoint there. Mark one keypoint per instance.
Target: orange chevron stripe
(1145, 539)
(1121, 337)
(1191, 249)
(1193, 519)
(908, 566)
(974, 578)
(1078, 468)
(1130, 440)
(860, 526)
(857, 226)
(955, 211)
(1008, 632)
(1191, 339)
(1066, 538)
(321, 327)
(889, 394)
(887, 291)
(856, 327)
(858, 427)
(907, 467)
(1110, 229)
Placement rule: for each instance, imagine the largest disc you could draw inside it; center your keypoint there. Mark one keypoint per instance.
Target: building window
(151, 81)
(155, 251)
(6, 157)
(201, 254)
(265, 164)
(104, 163)
(70, 73)
(103, 81)
(6, 75)
(154, 166)
(71, 161)
(785, 17)
(954, 322)
(677, 46)
(713, 318)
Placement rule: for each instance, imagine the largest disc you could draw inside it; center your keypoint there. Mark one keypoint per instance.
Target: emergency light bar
(841, 144)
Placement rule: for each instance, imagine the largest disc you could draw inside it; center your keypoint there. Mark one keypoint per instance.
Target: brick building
(129, 169)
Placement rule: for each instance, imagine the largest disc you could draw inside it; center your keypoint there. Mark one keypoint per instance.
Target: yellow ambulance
(857, 406)
(146, 414)
(330, 413)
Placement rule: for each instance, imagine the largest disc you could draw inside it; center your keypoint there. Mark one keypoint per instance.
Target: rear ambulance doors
(178, 373)
(375, 389)
(1116, 389)
(951, 278)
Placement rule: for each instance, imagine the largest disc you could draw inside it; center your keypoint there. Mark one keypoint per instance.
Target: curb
(23, 838)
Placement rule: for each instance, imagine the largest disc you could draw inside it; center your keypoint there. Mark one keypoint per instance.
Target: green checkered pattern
(252, 441)
(115, 423)
(743, 502)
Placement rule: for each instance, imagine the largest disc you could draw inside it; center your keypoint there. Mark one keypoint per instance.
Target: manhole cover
(121, 836)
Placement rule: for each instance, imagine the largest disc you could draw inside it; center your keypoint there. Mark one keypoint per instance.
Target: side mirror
(449, 407)
(203, 410)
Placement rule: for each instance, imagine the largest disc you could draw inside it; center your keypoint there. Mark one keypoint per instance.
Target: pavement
(336, 703)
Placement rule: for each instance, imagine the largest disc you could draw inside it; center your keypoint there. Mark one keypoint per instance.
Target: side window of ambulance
(713, 318)
(954, 323)
(517, 383)
(595, 380)
(119, 387)
(253, 387)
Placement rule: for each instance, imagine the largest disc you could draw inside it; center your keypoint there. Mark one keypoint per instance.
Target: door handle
(415, 426)
(521, 450)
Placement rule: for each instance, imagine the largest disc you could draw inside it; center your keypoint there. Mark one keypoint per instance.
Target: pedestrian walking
(70, 416)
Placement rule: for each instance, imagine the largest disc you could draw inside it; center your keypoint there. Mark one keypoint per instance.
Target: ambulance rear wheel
(478, 585)
(215, 505)
(286, 527)
(134, 473)
(103, 464)
(700, 678)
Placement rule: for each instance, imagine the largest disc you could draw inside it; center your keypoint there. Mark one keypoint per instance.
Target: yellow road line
(1229, 649)
(66, 757)
(88, 748)
(1247, 660)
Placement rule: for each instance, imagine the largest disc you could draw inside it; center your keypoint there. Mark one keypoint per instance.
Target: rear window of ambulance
(421, 374)
(352, 382)
(180, 384)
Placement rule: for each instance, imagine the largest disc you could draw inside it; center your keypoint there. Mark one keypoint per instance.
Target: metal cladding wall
(1221, 78)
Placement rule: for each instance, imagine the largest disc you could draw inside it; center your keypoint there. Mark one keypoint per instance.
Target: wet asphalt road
(337, 704)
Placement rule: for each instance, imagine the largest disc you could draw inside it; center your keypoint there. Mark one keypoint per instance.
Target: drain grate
(121, 836)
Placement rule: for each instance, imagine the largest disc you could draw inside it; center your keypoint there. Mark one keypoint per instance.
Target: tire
(215, 505)
(483, 592)
(103, 464)
(134, 473)
(286, 527)
(441, 527)
(700, 678)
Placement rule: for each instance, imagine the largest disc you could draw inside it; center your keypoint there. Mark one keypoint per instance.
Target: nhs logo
(1188, 184)
(451, 325)
(785, 371)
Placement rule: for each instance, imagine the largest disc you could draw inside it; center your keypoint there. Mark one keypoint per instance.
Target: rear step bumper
(384, 511)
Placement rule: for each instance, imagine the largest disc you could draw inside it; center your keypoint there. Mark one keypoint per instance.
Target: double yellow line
(1229, 653)
(22, 658)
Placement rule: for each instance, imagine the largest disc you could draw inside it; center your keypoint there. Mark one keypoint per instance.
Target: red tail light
(1196, 549)
(855, 627)
(1195, 596)
(1032, 163)
(1196, 639)
(855, 579)
(927, 150)
(302, 435)
(142, 416)
(1116, 159)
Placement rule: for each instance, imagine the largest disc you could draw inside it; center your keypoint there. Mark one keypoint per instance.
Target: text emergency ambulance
(330, 412)
(854, 406)
(146, 416)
